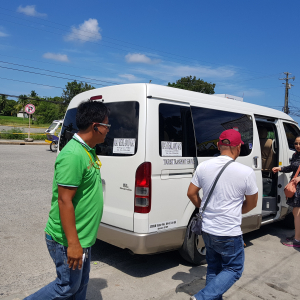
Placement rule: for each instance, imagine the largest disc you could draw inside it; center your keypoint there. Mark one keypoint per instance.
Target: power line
(57, 87)
(36, 73)
(31, 98)
(89, 32)
(54, 72)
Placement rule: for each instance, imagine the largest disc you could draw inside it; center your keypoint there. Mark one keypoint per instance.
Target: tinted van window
(291, 131)
(176, 133)
(69, 127)
(122, 138)
(209, 123)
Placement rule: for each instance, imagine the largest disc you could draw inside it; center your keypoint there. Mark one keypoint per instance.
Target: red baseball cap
(233, 136)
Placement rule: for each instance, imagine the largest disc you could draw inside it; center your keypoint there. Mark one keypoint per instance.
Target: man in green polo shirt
(76, 207)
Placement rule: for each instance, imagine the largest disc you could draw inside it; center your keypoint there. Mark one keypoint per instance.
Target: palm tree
(3, 102)
(21, 103)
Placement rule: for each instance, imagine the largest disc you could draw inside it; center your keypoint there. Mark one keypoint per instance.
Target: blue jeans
(225, 264)
(69, 284)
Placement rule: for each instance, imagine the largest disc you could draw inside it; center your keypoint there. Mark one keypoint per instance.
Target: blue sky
(242, 46)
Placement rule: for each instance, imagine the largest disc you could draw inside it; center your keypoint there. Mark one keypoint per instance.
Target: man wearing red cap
(222, 217)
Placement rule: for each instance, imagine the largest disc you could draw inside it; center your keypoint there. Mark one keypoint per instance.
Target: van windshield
(122, 138)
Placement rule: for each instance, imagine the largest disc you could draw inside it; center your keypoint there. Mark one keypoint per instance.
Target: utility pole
(287, 87)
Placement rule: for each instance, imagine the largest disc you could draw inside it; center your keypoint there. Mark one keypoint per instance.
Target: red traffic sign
(30, 109)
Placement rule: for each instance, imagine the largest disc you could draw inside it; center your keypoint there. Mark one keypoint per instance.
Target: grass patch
(15, 121)
(19, 134)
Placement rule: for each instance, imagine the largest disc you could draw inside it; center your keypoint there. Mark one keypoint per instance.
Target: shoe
(193, 298)
(290, 238)
(292, 243)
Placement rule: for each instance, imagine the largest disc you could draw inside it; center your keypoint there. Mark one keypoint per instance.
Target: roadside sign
(30, 109)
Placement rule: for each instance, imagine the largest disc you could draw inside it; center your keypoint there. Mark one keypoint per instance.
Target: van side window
(291, 131)
(68, 128)
(209, 123)
(176, 131)
(122, 138)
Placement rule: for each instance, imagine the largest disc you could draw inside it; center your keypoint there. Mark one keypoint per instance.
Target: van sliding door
(208, 124)
(171, 150)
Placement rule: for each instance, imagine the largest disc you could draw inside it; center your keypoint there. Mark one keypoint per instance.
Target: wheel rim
(200, 249)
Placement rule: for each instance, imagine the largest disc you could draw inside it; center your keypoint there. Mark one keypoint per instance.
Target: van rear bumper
(142, 243)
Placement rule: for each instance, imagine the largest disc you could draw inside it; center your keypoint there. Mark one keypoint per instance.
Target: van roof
(128, 91)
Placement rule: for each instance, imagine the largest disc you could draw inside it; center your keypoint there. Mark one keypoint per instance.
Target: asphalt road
(271, 269)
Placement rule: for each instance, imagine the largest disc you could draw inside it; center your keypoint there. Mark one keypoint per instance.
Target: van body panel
(118, 172)
(251, 223)
(171, 175)
(149, 243)
(142, 243)
(163, 228)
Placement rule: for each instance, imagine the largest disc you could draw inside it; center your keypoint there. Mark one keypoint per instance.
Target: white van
(158, 136)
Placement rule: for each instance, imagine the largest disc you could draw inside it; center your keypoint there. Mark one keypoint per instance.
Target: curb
(21, 143)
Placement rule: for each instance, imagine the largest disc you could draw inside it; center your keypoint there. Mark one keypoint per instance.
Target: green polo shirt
(73, 168)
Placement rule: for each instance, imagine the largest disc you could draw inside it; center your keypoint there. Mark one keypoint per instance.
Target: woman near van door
(293, 241)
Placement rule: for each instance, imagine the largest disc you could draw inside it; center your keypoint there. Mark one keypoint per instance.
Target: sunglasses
(103, 124)
(296, 144)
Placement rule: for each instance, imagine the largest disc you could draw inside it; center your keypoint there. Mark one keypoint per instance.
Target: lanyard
(97, 162)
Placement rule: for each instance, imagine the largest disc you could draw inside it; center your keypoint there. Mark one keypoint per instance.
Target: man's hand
(74, 254)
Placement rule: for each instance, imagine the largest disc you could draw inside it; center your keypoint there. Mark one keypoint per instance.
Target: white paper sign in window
(171, 148)
(124, 146)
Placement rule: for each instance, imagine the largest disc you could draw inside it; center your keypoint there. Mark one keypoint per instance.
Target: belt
(48, 237)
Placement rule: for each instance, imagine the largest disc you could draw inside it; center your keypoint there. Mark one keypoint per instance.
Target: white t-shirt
(223, 214)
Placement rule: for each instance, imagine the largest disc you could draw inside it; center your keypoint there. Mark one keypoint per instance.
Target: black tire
(193, 250)
(288, 221)
(53, 147)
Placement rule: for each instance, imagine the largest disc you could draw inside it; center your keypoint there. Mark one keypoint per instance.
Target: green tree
(3, 102)
(47, 111)
(193, 84)
(72, 89)
(21, 104)
(9, 108)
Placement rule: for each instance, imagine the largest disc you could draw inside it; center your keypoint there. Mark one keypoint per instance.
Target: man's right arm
(249, 203)
(67, 216)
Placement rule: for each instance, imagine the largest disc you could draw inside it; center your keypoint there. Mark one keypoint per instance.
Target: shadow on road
(145, 265)
(95, 287)
(274, 229)
(135, 265)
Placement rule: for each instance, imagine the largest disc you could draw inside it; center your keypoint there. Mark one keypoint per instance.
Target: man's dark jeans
(69, 284)
(225, 264)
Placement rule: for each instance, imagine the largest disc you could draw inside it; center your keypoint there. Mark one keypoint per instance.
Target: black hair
(89, 112)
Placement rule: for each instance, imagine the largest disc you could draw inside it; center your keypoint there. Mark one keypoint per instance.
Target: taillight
(142, 195)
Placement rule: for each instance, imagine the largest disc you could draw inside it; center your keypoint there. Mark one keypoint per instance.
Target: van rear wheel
(193, 250)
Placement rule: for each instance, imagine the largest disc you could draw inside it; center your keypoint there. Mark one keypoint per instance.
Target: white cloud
(129, 77)
(252, 93)
(30, 10)
(87, 31)
(58, 57)
(2, 34)
(140, 58)
(171, 73)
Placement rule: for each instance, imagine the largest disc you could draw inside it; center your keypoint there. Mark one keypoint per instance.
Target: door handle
(255, 161)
